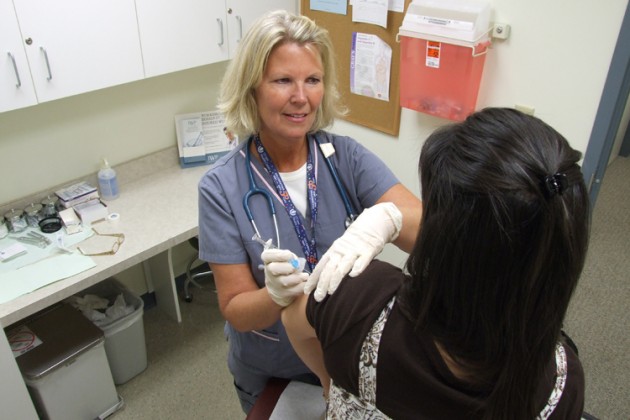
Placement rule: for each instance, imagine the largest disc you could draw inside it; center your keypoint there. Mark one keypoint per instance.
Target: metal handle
(240, 28)
(220, 22)
(49, 78)
(15, 69)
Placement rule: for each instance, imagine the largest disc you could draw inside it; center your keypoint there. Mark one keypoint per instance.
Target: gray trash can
(124, 338)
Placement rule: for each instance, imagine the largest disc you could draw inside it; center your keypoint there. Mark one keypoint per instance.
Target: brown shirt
(413, 382)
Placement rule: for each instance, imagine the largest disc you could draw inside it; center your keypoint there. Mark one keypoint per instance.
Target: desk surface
(157, 211)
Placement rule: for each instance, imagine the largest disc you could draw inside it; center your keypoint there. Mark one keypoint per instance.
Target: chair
(190, 277)
(286, 399)
(266, 401)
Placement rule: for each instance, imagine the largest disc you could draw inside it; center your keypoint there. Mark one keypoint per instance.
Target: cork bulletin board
(373, 113)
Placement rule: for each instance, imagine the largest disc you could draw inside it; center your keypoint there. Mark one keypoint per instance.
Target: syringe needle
(269, 245)
(266, 244)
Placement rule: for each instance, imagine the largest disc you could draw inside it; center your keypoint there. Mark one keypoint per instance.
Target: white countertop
(157, 211)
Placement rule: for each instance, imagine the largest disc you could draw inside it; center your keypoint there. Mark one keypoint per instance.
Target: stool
(190, 278)
(283, 398)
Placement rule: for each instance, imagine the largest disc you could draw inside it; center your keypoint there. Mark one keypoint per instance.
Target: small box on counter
(91, 211)
(76, 194)
(70, 221)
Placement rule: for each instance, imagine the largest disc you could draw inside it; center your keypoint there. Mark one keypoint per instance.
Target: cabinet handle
(240, 28)
(220, 22)
(15, 69)
(49, 78)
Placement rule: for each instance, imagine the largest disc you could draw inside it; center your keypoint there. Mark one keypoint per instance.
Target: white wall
(556, 60)
(56, 142)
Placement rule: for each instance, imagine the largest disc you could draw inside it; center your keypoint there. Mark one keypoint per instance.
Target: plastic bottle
(107, 182)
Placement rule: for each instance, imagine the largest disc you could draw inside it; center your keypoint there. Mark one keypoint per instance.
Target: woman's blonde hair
(237, 99)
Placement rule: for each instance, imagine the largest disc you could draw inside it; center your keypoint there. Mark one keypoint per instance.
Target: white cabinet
(181, 34)
(16, 87)
(54, 49)
(241, 14)
(76, 46)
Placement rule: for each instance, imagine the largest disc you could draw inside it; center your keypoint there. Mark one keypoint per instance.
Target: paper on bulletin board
(370, 66)
(397, 5)
(393, 5)
(370, 11)
(332, 6)
(202, 138)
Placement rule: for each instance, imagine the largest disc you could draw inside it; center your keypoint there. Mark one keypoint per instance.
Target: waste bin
(124, 337)
(62, 358)
(443, 50)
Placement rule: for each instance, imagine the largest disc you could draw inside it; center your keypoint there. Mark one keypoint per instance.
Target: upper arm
(371, 178)
(220, 221)
(411, 208)
(304, 339)
(295, 321)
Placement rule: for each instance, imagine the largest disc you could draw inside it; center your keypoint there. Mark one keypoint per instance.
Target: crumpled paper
(98, 310)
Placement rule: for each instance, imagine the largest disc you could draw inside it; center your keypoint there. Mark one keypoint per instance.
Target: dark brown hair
(498, 257)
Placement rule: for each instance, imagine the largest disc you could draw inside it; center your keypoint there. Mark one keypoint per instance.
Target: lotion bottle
(107, 182)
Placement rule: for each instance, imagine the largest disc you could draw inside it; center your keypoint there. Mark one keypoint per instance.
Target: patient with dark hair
(472, 329)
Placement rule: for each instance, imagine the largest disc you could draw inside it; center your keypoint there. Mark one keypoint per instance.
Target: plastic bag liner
(99, 310)
(118, 312)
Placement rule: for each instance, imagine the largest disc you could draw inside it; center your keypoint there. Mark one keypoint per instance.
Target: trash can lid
(61, 334)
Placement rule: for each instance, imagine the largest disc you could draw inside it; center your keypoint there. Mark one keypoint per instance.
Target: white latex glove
(283, 276)
(355, 249)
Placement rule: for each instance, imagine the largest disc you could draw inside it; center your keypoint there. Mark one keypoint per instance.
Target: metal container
(33, 214)
(4, 230)
(50, 206)
(15, 220)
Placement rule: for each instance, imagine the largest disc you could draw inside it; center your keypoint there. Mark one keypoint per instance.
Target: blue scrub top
(225, 232)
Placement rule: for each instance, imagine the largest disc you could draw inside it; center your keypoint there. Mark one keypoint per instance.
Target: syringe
(295, 262)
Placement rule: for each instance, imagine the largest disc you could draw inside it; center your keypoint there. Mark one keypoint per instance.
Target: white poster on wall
(370, 66)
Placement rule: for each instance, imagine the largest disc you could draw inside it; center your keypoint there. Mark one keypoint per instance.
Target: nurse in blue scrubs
(278, 95)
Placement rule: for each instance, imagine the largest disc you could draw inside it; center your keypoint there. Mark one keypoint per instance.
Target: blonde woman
(283, 198)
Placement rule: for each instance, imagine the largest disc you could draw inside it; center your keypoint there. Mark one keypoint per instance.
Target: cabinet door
(181, 34)
(241, 14)
(76, 46)
(16, 87)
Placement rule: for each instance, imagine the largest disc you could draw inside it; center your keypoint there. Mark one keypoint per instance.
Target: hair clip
(555, 184)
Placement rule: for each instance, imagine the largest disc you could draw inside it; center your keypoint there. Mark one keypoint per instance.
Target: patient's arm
(304, 340)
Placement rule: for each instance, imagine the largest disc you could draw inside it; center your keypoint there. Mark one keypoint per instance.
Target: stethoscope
(253, 190)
